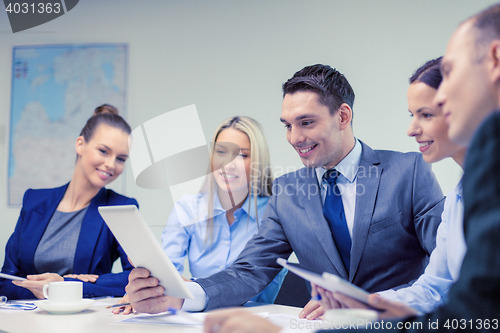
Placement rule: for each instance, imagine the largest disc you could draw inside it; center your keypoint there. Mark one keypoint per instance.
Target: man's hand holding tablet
(146, 295)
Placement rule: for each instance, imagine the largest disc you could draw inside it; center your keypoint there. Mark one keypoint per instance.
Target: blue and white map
(55, 89)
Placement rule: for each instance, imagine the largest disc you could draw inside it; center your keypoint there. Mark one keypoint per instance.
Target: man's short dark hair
(332, 87)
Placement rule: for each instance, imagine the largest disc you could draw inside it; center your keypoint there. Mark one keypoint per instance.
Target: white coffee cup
(346, 318)
(63, 292)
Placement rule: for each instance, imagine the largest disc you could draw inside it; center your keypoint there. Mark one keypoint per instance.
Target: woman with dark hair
(60, 234)
(430, 130)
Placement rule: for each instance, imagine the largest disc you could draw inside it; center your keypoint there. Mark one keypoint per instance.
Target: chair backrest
(295, 291)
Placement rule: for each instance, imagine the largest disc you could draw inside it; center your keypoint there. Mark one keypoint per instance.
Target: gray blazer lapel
(368, 180)
(314, 210)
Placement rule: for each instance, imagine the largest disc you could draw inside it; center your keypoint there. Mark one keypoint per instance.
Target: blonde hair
(261, 177)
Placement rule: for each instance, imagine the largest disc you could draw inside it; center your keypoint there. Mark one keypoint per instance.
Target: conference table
(99, 319)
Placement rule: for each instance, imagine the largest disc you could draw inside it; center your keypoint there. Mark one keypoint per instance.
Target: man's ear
(345, 114)
(79, 144)
(494, 52)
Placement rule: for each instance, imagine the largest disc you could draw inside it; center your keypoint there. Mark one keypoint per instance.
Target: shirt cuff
(389, 294)
(200, 300)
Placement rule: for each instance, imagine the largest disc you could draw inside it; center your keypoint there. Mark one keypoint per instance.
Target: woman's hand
(126, 309)
(83, 277)
(35, 283)
(312, 310)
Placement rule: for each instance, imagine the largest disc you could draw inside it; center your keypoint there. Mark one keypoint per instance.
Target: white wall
(231, 57)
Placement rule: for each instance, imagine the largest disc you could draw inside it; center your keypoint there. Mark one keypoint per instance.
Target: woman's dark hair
(429, 73)
(104, 114)
(106, 108)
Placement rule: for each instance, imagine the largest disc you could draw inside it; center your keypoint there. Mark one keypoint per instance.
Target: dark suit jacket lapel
(91, 228)
(44, 213)
(368, 179)
(317, 221)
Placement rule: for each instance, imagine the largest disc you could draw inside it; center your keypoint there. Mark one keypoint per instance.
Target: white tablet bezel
(138, 241)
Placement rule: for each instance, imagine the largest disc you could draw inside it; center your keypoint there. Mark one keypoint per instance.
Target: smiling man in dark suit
(369, 216)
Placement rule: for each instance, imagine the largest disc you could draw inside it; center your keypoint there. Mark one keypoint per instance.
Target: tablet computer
(327, 281)
(138, 241)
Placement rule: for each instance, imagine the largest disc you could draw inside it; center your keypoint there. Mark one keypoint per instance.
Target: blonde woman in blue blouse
(212, 227)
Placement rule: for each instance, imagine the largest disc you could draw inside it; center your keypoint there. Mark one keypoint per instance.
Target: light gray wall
(231, 57)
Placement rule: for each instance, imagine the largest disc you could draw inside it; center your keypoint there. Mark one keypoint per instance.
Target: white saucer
(65, 308)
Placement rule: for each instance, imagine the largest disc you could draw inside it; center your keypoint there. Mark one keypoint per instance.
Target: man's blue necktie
(333, 210)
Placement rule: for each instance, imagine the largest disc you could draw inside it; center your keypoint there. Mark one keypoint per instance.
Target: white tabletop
(99, 319)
